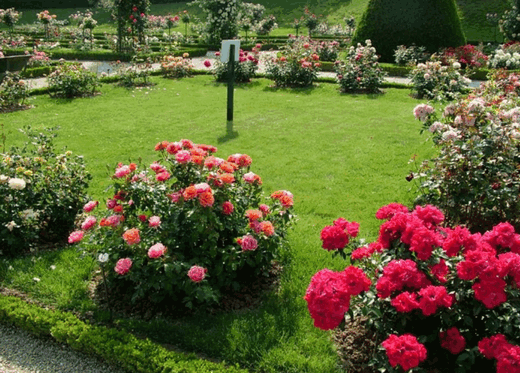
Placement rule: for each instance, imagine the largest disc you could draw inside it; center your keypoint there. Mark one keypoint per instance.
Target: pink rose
(207, 63)
(123, 266)
(183, 156)
(90, 206)
(197, 273)
(154, 221)
(248, 243)
(156, 251)
(88, 223)
(75, 236)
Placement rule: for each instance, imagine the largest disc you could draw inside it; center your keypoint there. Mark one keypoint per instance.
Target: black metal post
(231, 81)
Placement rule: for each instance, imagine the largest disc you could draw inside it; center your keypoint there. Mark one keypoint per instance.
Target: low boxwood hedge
(117, 347)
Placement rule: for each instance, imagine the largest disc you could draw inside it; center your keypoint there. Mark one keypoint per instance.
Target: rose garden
(341, 222)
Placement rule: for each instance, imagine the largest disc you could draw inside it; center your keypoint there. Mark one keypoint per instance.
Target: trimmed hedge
(115, 346)
(390, 23)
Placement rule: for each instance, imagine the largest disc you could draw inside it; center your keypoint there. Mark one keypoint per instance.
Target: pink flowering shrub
(296, 66)
(435, 296)
(360, 71)
(475, 178)
(245, 67)
(193, 225)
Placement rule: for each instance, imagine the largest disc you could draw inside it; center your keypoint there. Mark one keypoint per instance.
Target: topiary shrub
(390, 23)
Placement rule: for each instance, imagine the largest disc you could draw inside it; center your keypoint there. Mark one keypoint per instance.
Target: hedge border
(117, 347)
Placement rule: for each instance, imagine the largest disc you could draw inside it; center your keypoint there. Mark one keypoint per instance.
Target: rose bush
(475, 178)
(72, 80)
(360, 71)
(297, 65)
(432, 80)
(41, 193)
(245, 67)
(435, 296)
(188, 227)
(176, 67)
(14, 92)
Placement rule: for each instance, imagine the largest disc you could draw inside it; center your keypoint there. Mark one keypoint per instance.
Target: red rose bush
(187, 227)
(435, 297)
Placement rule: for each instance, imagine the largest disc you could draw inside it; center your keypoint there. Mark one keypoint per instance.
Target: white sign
(226, 46)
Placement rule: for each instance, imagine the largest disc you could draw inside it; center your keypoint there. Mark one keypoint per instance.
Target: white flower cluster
(507, 60)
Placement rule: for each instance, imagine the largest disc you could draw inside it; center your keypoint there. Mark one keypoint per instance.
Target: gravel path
(22, 352)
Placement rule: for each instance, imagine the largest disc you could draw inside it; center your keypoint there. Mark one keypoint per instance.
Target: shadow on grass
(252, 84)
(230, 134)
(370, 96)
(293, 90)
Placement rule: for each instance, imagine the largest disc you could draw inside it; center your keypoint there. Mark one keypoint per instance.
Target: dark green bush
(390, 23)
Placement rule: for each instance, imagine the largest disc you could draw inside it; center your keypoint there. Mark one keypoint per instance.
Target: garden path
(198, 64)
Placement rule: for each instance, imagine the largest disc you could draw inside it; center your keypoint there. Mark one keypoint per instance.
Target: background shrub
(411, 55)
(434, 81)
(297, 65)
(390, 23)
(42, 192)
(70, 80)
(360, 71)
(13, 92)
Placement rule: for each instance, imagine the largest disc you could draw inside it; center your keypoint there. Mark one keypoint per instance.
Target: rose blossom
(227, 208)
(248, 243)
(89, 206)
(197, 273)
(131, 236)
(88, 223)
(154, 221)
(156, 251)
(123, 266)
(15, 183)
(75, 236)
(183, 156)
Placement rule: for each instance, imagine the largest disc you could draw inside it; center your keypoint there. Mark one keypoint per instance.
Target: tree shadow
(230, 134)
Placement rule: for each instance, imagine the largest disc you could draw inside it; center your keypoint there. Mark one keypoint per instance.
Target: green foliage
(475, 178)
(42, 193)
(509, 23)
(70, 80)
(389, 23)
(412, 55)
(360, 71)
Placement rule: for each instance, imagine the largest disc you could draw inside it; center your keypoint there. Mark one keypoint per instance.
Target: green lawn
(340, 155)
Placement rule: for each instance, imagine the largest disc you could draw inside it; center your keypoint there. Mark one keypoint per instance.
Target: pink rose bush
(296, 66)
(432, 294)
(188, 226)
(245, 68)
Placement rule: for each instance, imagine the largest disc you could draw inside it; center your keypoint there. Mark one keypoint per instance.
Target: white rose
(16, 183)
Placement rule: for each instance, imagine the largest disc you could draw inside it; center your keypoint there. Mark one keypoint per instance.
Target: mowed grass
(340, 155)
(473, 14)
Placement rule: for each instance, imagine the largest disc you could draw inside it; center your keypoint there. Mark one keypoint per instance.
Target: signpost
(229, 53)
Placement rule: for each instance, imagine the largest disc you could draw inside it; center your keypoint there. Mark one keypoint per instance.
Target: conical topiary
(390, 23)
